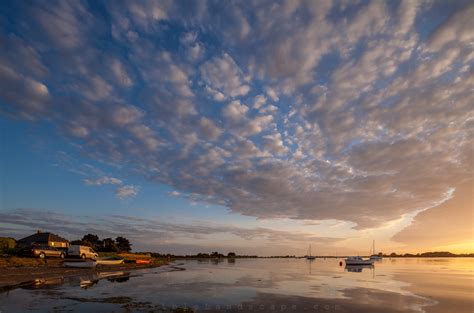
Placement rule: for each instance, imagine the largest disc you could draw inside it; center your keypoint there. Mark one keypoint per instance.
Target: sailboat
(309, 256)
(374, 256)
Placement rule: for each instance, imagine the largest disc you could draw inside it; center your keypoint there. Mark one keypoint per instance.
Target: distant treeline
(217, 255)
(203, 255)
(436, 254)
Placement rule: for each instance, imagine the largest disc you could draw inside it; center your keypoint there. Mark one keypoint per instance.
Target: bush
(7, 243)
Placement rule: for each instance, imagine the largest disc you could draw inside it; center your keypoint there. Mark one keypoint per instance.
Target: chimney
(38, 231)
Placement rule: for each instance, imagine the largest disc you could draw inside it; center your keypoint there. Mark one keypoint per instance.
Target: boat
(143, 261)
(309, 256)
(109, 261)
(80, 264)
(358, 268)
(357, 260)
(374, 256)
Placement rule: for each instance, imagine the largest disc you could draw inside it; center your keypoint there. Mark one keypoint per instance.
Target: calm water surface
(261, 285)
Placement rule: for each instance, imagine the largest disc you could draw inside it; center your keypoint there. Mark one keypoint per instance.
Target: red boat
(143, 261)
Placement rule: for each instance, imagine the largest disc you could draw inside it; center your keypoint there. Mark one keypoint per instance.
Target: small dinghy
(80, 264)
(109, 261)
(143, 261)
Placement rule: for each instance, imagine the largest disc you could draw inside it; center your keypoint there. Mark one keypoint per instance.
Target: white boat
(309, 256)
(357, 260)
(374, 256)
(109, 261)
(81, 264)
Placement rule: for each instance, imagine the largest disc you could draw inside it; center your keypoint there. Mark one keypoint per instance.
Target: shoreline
(12, 277)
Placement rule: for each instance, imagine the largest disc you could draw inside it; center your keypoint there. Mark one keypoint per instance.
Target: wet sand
(36, 271)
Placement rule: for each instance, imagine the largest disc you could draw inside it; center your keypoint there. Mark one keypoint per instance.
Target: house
(49, 239)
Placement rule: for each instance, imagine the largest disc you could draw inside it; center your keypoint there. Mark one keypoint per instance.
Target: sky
(258, 127)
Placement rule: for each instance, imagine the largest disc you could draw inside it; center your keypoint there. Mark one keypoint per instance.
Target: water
(261, 285)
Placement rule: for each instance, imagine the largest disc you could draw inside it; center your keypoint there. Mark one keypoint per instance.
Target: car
(43, 251)
(84, 252)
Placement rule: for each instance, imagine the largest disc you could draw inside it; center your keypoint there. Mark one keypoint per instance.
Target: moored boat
(142, 261)
(81, 264)
(357, 260)
(109, 261)
(309, 256)
(375, 257)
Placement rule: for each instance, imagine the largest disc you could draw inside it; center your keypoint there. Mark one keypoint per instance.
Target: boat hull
(87, 264)
(358, 268)
(109, 262)
(143, 261)
(359, 262)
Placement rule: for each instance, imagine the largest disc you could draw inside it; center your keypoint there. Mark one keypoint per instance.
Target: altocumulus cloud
(289, 109)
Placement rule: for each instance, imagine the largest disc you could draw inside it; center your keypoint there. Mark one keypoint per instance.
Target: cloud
(195, 49)
(120, 73)
(209, 128)
(66, 23)
(275, 144)
(235, 111)
(30, 97)
(174, 193)
(127, 191)
(106, 180)
(259, 101)
(458, 28)
(140, 230)
(272, 93)
(225, 76)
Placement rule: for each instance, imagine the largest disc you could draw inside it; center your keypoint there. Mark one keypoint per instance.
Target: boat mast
(373, 247)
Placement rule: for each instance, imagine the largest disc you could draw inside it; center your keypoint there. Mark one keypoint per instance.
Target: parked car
(43, 251)
(84, 252)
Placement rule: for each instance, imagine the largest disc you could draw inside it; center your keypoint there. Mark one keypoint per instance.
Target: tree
(216, 255)
(109, 245)
(231, 255)
(123, 244)
(90, 240)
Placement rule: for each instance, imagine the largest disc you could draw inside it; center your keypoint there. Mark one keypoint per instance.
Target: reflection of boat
(357, 260)
(109, 261)
(81, 264)
(84, 284)
(110, 276)
(42, 283)
(374, 256)
(309, 256)
(357, 268)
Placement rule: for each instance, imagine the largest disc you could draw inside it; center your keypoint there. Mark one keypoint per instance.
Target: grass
(15, 261)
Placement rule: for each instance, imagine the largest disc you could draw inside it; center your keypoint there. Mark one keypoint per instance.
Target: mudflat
(16, 272)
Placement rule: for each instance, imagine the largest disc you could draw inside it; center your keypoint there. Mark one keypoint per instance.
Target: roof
(42, 237)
